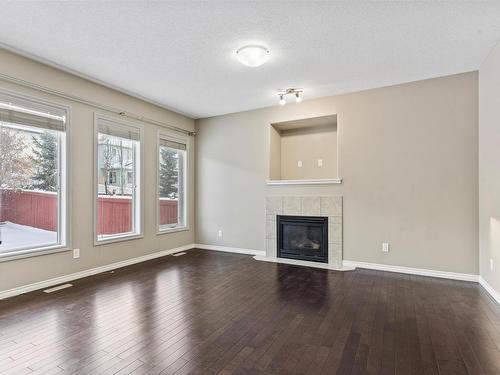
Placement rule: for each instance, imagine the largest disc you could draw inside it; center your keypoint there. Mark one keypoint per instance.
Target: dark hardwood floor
(216, 313)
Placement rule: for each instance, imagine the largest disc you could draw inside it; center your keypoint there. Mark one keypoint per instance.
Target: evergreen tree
(44, 150)
(169, 173)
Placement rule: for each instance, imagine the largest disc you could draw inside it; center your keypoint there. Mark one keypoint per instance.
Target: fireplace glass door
(303, 238)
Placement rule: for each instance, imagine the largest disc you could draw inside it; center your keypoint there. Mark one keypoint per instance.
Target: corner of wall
(488, 172)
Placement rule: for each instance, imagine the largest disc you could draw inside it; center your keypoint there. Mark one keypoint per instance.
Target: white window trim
(164, 134)
(64, 203)
(139, 197)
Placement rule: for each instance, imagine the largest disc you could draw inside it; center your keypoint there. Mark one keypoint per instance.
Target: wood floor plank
(219, 313)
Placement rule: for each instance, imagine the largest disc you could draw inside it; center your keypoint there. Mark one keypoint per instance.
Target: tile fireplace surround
(325, 206)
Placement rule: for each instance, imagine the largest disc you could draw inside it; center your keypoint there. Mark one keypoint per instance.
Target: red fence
(168, 211)
(39, 209)
(114, 215)
(33, 208)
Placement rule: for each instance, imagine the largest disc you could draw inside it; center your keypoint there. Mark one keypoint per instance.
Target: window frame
(64, 165)
(138, 207)
(169, 136)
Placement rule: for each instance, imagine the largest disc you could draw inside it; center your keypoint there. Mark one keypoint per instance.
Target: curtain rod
(77, 99)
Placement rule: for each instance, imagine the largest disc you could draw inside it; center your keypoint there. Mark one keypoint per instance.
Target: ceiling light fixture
(296, 92)
(252, 55)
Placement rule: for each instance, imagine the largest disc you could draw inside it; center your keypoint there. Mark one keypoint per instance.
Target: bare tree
(122, 173)
(15, 165)
(107, 161)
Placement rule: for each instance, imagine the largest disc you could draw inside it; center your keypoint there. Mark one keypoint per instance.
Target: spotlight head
(282, 100)
(298, 98)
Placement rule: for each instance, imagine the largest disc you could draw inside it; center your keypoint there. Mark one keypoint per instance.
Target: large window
(118, 182)
(32, 176)
(172, 162)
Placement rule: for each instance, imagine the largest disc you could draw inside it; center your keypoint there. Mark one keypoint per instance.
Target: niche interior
(304, 151)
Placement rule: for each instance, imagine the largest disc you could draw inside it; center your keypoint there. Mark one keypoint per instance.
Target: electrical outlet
(219, 233)
(76, 253)
(320, 162)
(491, 264)
(385, 247)
(299, 164)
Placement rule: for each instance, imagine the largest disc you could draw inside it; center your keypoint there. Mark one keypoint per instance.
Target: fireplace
(303, 238)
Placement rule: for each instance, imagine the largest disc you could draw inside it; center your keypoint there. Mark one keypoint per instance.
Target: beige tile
(335, 253)
(271, 248)
(334, 219)
(335, 233)
(292, 206)
(336, 263)
(274, 205)
(311, 206)
(271, 227)
(331, 206)
(271, 218)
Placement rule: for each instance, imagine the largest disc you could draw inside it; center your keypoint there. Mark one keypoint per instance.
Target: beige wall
(489, 168)
(308, 145)
(24, 271)
(274, 154)
(408, 156)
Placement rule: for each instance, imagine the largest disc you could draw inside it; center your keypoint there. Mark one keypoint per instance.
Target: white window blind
(22, 112)
(172, 144)
(117, 130)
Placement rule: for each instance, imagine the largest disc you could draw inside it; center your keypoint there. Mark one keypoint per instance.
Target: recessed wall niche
(304, 150)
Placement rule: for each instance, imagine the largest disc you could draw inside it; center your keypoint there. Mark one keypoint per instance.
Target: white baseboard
(259, 255)
(93, 271)
(228, 249)
(493, 293)
(304, 263)
(413, 271)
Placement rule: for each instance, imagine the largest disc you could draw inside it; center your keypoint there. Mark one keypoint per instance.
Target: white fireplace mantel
(324, 181)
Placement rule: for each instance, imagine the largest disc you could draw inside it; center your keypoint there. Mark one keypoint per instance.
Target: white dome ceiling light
(252, 55)
(295, 92)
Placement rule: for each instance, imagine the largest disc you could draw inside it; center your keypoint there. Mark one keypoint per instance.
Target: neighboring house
(115, 159)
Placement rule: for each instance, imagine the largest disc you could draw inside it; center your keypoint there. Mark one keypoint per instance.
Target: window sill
(113, 239)
(172, 230)
(20, 254)
(328, 181)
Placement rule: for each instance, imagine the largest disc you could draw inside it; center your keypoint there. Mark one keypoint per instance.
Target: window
(172, 171)
(32, 176)
(118, 182)
(112, 177)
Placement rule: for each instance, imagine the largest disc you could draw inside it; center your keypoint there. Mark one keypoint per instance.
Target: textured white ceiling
(181, 54)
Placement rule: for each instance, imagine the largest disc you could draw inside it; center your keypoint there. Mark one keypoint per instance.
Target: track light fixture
(292, 91)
